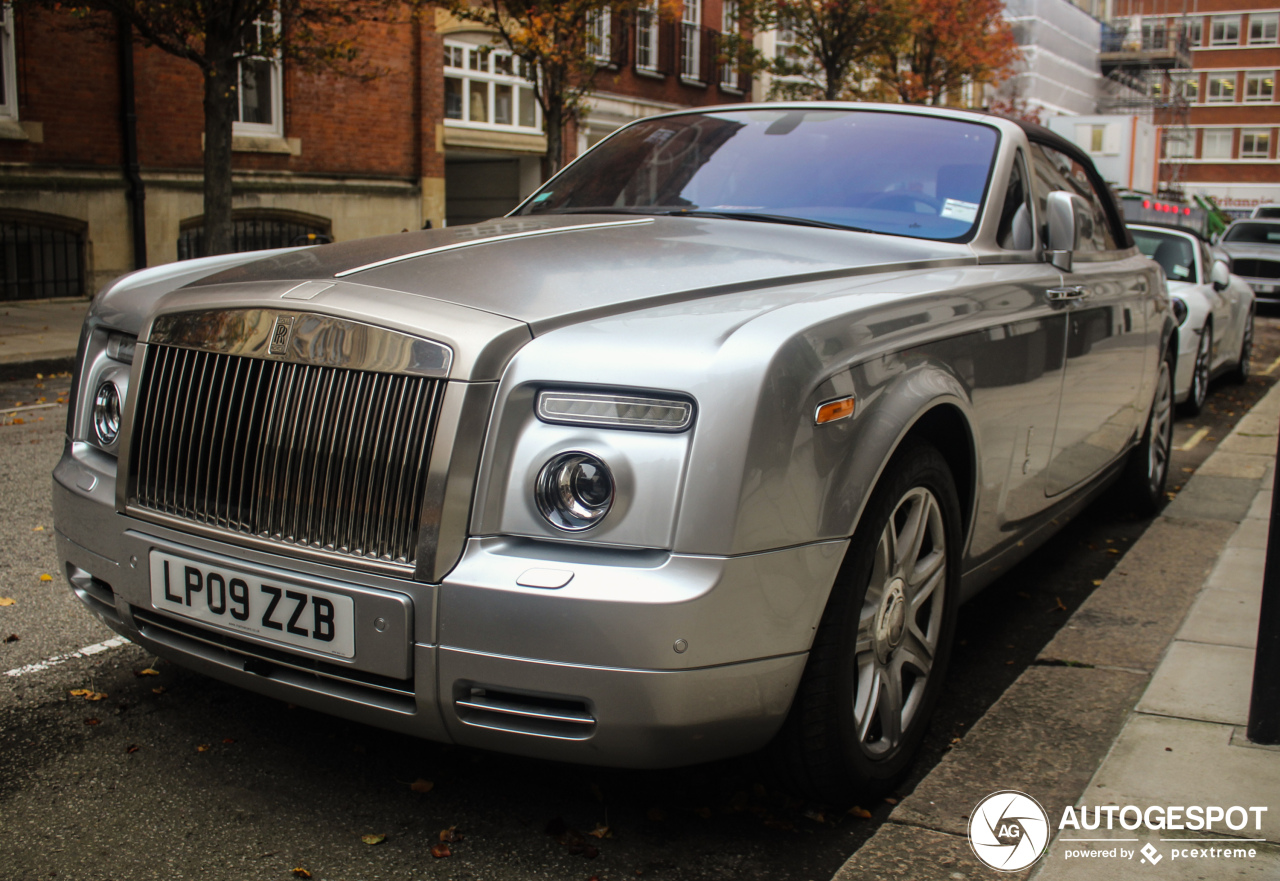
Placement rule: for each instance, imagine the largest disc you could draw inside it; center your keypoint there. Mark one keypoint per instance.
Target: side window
(1017, 229)
(1057, 171)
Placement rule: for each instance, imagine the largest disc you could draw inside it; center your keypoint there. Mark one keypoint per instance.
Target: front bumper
(642, 659)
(1267, 289)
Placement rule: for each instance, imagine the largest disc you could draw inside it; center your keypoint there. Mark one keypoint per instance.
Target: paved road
(177, 776)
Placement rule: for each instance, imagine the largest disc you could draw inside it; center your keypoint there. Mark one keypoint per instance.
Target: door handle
(1060, 295)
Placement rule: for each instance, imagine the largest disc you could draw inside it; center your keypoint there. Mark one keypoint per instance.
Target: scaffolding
(1145, 67)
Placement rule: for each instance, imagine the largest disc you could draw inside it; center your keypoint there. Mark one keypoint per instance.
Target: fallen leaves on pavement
(374, 838)
(93, 721)
(571, 839)
(440, 851)
(147, 672)
(421, 785)
(860, 813)
(300, 872)
(451, 835)
(7, 601)
(46, 577)
(88, 694)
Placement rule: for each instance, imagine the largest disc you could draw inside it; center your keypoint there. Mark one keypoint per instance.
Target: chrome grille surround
(325, 460)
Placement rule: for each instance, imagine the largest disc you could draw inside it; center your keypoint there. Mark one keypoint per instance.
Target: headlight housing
(574, 491)
(614, 411)
(102, 389)
(106, 413)
(1179, 309)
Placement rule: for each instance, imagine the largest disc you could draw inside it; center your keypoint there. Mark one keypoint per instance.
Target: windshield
(1174, 253)
(1254, 233)
(894, 173)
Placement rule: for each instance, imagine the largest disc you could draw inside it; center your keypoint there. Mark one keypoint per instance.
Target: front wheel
(1240, 370)
(881, 651)
(1200, 374)
(1147, 470)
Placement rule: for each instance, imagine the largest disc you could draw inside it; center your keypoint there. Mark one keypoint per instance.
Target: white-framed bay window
(486, 88)
(647, 36)
(1260, 86)
(260, 82)
(8, 66)
(691, 41)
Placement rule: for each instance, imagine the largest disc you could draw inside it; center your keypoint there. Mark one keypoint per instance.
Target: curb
(1048, 734)
(54, 363)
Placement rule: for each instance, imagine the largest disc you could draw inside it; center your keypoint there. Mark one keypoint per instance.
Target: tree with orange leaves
(944, 45)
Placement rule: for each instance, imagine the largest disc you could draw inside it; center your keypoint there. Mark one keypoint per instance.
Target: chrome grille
(323, 458)
(1252, 268)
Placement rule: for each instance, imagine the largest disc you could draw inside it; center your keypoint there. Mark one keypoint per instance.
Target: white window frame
(600, 35)
(1267, 24)
(1226, 93)
(485, 58)
(1177, 147)
(1225, 22)
(647, 36)
(1190, 87)
(691, 41)
(1260, 87)
(1153, 27)
(729, 70)
(9, 69)
(1218, 135)
(1193, 27)
(274, 128)
(1253, 134)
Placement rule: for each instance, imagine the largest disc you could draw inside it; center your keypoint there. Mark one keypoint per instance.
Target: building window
(600, 35)
(784, 42)
(486, 87)
(1191, 88)
(1255, 143)
(1222, 88)
(1216, 143)
(691, 41)
(1224, 30)
(1262, 29)
(41, 258)
(8, 66)
(1193, 30)
(1179, 143)
(1153, 34)
(258, 98)
(647, 36)
(1259, 86)
(729, 70)
(257, 231)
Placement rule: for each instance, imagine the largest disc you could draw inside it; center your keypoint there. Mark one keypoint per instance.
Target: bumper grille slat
(322, 458)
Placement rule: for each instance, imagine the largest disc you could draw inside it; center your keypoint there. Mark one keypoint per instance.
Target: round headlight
(1179, 309)
(574, 491)
(106, 413)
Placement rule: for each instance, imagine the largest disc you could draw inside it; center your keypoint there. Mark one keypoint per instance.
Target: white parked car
(1214, 308)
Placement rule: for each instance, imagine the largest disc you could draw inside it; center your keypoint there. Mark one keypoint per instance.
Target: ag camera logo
(1008, 830)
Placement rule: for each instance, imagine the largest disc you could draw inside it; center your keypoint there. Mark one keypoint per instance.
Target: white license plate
(274, 609)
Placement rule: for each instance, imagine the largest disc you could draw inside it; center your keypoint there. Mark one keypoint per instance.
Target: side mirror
(1069, 221)
(1220, 276)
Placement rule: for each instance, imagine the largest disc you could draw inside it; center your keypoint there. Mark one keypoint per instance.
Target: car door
(1104, 299)
(1227, 308)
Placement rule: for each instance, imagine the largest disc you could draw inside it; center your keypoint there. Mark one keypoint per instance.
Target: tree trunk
(219, 113)
(555, 137)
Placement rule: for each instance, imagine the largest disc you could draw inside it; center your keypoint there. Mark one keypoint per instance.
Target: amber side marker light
(841, 408)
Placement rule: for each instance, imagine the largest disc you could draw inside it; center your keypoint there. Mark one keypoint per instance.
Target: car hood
(551, 271)
(1247, 249)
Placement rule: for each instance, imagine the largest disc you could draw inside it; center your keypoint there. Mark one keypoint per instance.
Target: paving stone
(1209, 497)
(1252, 533)
(1224, 463)
(1249, 442)
(1045, 736)
(1223, 617)
(1131, 618)
(1261, 507)
(1209, 683)
(909, 853)
(1158, 760)
(1239, 569)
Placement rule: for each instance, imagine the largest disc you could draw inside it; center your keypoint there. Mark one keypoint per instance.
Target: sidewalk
(1141, 699)
(39, 336)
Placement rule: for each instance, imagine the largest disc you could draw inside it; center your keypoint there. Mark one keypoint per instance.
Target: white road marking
(85, 652)
(1194, 439)
(1272, 369)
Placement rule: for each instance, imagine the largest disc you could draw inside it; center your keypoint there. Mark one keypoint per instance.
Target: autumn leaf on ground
(451, 835)
(93, 721)
(132, 748)
(38, 529)
(1097, 582)
(374, 838)
(228, 740)
(12, 637)
(440, 851)
(87, 693)
(421, 785)
(7, 601)
(815, 816)
(300, 872)
(202, 748)
(159, 689)
(891, 801)
(860, 813)
(1061, 606)
(601, 831)
(147, 672)
(46, 577)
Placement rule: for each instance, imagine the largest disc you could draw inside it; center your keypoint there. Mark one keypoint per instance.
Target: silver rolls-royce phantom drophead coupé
(698, 449)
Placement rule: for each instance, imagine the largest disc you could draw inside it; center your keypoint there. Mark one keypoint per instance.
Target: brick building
(1224, 142)
(447, 133)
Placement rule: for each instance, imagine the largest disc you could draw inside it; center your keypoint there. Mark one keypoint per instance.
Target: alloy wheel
(1160, 429)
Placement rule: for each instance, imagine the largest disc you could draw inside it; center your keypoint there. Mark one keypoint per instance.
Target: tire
(1240, 371)
(875, 669)
(1147, 470)
(1199, 390)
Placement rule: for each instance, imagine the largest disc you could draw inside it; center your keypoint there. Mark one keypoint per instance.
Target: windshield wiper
(765, 218)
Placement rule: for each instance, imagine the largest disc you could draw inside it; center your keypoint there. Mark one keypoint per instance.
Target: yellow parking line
(1270, 370)
(1194, 439)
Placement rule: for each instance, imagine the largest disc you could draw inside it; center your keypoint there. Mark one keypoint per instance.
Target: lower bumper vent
(561, 718)
(310, 673)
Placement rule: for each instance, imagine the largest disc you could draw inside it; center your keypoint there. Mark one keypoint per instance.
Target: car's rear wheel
(1240, 370)
(880, 654)
(1147, 470)
(1200, 374)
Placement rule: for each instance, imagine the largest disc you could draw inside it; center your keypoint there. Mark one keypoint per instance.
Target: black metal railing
(37, 262)
(255, 234)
